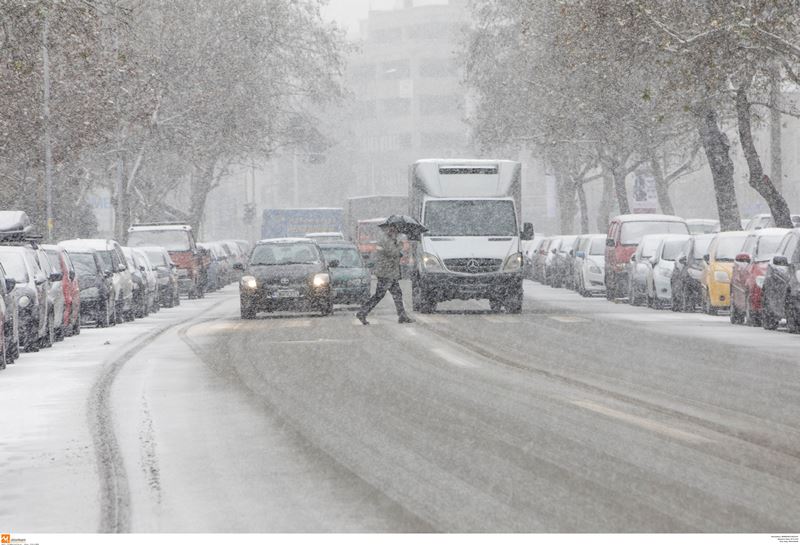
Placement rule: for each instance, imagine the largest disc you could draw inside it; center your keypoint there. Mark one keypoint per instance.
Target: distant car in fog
(640, 268)
(166, 275)
(590, 265)
(71, 323)
(659, 282)
(781, 292)
(686, 281)
(717, 277)
(96, 286)
(350, 277)
(748, 274)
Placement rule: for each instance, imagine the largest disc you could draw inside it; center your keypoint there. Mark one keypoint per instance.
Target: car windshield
(598, 246)
(633, 231)
(728, 247)
(105, 255)
(566, 244)
(767, 246)
(14, 264)
(671, 249)
(156, 258)
(470, 218)
(348, 258)
(84, 265)
(54, 259)
(701, 245)
(649, 247)
(173, 240)
(285, 254)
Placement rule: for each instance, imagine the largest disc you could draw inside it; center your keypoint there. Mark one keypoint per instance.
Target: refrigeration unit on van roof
(467, 178)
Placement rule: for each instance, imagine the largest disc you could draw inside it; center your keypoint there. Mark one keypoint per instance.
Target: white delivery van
(472, 248)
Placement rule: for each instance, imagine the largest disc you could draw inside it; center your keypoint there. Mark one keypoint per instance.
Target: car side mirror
(743, 258)
(610, 242)
(55, 277)
(10, 284)
(72, 275)
(527, 231)
(141, 268)
(333, 263)
(580, 255)
(633, 258)
(108, 274)
(780, 261)
(682, 260)
(39, 278)
(707, 258)
(238, 266)
(122, 268)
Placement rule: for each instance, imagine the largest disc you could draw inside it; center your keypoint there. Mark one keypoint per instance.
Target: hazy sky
(348, 12)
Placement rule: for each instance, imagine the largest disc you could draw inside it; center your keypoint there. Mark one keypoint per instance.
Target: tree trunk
(758, 180)
(716, 146)
(662, 189)
(604, 211)
(201, 186)
(620, 189)
(775, 132)
(566, 203)
(583, 207)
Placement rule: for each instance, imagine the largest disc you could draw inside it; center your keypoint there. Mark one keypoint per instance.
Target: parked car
(71, 321)
(151, 279)
(568, 261)
(9, 339)
(748, 274)
(760, 221)
(96, 284)
(717, 278)
(350, 277)
(702, 226)
(539, 259)
(529, 255)
(114, 261)
(686, 282)
(640, 268)
(285, 274)
(166, 276)
(30, 290)
(590, 262)
(781, 292)
(659, 280)
(140, 308)
(624, 234)
(551, 272)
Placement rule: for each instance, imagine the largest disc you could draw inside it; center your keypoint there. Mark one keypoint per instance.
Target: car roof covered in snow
(648, 217)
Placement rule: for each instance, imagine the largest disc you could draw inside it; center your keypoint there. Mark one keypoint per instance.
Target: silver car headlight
(321, 279)
(513, 263)
(722, 276)
(24, 301)
(431, 263)
(249, 282)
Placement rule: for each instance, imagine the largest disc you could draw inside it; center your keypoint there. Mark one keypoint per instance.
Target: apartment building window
(399, 69)
(437, 68)
(396, 106)
(438, 104)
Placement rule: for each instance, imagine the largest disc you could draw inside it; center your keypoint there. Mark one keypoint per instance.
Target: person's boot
(405, 319)
(362, 318)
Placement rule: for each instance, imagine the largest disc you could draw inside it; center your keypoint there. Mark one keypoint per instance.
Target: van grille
(473, 265)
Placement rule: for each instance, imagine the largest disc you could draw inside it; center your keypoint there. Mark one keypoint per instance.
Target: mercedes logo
(284, 281)
(472, 266)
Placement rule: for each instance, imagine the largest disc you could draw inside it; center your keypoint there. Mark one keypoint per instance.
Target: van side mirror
(780, 261)
(10, 284)
(527, 231)
(610, 242)
(682, 260)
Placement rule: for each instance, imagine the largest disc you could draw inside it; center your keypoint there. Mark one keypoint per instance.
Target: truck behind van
(472, 248)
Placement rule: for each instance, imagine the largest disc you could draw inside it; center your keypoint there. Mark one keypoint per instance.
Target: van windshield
(470, 218)
(173, 240)
(633, 231)
(14, 264)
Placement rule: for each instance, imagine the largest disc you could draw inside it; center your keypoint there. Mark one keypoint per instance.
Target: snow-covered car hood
(467, 247)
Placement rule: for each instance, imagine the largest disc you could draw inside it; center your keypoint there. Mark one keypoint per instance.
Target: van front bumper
(447, 286)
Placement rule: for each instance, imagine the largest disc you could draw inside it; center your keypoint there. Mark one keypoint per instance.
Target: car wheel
(737, 316)
(514, 304)
(13, 352)
(751, 317)
(76, 327)
(768, 320)
(327, 308)
(49, 334)
(495, 305)
(247, 311)
(707, 308)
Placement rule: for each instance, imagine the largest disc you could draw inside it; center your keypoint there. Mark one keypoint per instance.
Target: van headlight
(760, 281)
(513, 263)
(321, 279)
(249, 282)
(722, 276)
(24, 301)
(431, 263)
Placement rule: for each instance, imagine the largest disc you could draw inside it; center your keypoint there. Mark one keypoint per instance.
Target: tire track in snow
(115, 500)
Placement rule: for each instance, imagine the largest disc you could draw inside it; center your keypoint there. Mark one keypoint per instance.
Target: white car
(590, 265)
(150, 276)
(640, 268)
(114, 261)
(659, 278)
(48, 261)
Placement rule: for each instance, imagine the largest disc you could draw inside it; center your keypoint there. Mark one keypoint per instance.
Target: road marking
(569, 319)
(312, 341)
(453, 358)
(645, 423)
(501, 319)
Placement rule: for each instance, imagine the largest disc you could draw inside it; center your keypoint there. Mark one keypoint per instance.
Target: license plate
(280, 294)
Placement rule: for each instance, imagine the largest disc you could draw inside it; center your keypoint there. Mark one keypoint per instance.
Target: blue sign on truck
(296, 222)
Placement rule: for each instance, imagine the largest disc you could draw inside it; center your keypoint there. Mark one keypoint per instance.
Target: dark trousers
(384, 285)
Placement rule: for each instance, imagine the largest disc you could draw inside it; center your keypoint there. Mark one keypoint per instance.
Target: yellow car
(717, 276)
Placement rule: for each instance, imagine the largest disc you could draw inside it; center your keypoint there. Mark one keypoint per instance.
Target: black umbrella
(405, 225)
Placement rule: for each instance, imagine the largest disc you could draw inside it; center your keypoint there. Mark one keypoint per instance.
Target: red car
(69, 285)
(748, 275)
(624, 234)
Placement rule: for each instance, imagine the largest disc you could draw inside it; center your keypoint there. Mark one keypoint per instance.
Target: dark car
(781, 291)
(557, 273)
(285, 274)
(166, 274)
(687, 278)
(96, 285)
(350, 277)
